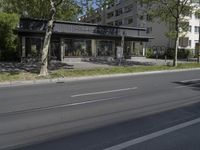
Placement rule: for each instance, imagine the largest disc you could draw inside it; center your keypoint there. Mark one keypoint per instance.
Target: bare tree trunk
(176, 52)
(176, 44)
(45, 50)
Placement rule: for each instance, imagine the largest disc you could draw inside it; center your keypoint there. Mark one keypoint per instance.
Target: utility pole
(198, 51)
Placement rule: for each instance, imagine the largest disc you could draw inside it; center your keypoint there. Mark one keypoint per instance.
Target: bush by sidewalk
(169, 53)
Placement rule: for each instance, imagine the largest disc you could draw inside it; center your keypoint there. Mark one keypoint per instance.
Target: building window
(104, 48)
(128, 8)
(33, 47)
(77, 47)
(130, 20)
(141, 17)
(149, 30)
(196, 29)
(183, 41)
(110, 23)
(118, 12)
(118, 22)
(110, 15)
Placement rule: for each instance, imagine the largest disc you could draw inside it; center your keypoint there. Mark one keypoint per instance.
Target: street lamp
(198, 51)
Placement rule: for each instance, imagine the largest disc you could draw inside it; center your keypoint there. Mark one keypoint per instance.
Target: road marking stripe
(104, 92)
(153, 135)
(61, 106)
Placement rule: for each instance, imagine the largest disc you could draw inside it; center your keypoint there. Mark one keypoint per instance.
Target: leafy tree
(174, 13)
(68, 10)
(50, 10)
(53, 11)
(54, 4)
(8, 22)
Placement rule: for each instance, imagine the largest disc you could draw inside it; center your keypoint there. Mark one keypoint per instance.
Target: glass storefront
(82, 48)
(137, 49)
(33, 47)
(55, 49)
(77, 47)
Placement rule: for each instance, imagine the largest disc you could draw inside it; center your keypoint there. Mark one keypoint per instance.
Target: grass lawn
(15, 76)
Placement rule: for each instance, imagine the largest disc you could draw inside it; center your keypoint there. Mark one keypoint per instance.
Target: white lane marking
(153, 135)
(184, 81)
(104, 92)
(63, 106)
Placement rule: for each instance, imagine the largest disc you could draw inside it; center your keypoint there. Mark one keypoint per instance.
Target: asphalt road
(98, 114)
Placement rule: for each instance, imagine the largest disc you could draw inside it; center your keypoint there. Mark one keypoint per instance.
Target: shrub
(149, 53)
(185, 53)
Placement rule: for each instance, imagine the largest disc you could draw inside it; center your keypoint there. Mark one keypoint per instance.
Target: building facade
(133, 13)
(78, 40)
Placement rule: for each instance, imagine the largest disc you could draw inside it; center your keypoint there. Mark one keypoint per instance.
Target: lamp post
(198, 51)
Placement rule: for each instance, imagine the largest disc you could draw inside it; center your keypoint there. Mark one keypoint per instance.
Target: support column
(113, 48)
(23, 54)
(94, 48)
(143, 49)
(62, 49)
(132, 48)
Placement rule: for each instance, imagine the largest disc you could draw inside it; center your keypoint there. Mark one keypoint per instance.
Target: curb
(74, 79)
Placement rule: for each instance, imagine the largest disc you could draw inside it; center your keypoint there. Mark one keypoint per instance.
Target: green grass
(117, 70)
(15, 76)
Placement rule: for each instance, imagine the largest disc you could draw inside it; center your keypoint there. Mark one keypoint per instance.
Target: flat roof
(83, 23)
(33, 26)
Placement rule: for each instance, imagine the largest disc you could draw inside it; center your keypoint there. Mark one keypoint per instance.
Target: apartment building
(132, 13)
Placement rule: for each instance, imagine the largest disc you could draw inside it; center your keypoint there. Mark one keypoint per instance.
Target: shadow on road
(195, 84)
(100, 138)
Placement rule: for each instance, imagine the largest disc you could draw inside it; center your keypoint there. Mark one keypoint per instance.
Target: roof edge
(83, 23)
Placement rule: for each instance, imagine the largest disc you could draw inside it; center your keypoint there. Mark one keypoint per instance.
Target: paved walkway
(34, 67)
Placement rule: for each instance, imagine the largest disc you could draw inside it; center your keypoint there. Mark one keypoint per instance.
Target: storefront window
(105, 48)
(138, 49)
(77, 47)
(33, 47)
(55, 49)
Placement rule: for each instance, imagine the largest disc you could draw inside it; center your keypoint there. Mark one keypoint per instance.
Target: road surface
(101, 113)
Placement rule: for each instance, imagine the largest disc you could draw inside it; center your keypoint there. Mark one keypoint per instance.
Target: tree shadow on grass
(116, 62)
(31, 67)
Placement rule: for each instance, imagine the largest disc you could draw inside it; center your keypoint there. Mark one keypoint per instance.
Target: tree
(8, 22)
(173, 12)
(67, 10)
(54, 5)
(50, 10)
(47, 39)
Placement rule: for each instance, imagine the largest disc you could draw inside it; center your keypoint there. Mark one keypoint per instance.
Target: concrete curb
(73, 79)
